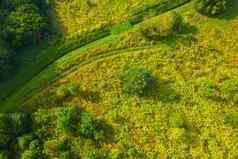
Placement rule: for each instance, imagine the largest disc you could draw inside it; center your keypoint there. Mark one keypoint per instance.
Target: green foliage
(20, 123)
(211, 7)
(24, 26)
(137, 81)
(64, 91)
(5, 140)
(95, 154)
(229, 90)
(231, 119)
(3, 155)
(176, 120)
(5, 124)
(34, 151)
(59, 147)
(165, 26)
(66, 155)
(66, 118)
(90, 127)
(24, 141)
(73, 88)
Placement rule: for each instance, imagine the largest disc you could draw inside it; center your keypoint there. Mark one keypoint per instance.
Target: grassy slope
(142, 122)
(30, 69)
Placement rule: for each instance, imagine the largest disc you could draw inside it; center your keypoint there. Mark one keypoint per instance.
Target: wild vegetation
(119, 79)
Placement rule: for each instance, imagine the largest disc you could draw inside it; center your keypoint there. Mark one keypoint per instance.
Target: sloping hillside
(159, 81)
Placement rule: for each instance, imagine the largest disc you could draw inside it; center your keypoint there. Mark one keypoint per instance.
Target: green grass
(45, 66)
(186, 114)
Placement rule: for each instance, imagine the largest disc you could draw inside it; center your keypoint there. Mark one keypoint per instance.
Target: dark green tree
(138, 81)
(24, 26)
(66, 118)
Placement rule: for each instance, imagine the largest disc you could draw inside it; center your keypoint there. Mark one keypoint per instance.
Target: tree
(24, 26)
(137, 81)
(211, 7)
(66, 118)
(90, 127)
(20, 123)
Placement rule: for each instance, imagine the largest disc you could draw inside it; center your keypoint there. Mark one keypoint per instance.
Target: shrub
(137, 81)
(229, 90)
(3, 155)
(34, 151)
(211, 7)
(24, 141)
(176, 120)
(56, 147)
(66, 118)
(90, 127)
(231, 119)
(164, 26)
(73, 88)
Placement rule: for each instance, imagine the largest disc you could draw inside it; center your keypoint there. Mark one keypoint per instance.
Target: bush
(229, 90)
(137, 81)
(66, 118)
(57, 147)
(231, 119)
(24, 141)
(176, 120)
(3, 155)
(90, 127)
(164, 26)
(34, 151)
(211, 7)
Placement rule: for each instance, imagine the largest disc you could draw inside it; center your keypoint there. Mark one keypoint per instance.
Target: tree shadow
(164, 91)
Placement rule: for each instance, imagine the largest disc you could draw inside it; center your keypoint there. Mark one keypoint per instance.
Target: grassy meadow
(191, 113)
